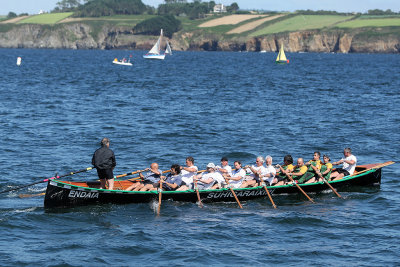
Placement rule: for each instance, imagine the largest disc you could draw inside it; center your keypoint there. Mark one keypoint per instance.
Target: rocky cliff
(84, 36)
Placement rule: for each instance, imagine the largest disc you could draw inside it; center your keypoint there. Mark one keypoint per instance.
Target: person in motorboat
(225, 168)
(268, 173)
(281, 177)
(187, 174)
(209, 179)
(104, 161)
(237, 177)
(349, 165)
(255, 171)
(150, 179)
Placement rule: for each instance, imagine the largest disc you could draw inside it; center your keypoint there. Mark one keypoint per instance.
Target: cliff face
(83, 36)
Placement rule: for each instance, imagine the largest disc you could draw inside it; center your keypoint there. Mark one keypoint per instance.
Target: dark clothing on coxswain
(104, 158)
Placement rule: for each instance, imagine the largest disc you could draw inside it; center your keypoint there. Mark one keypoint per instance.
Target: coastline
(85, 36)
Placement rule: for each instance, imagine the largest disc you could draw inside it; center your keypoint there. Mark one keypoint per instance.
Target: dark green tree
(11, 15)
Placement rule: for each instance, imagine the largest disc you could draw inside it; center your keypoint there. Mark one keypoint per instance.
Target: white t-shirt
(252, 176)
(268, 170)
(237, 173)
(187, 177)
(350, 167)
(216, 176)
(227, 167)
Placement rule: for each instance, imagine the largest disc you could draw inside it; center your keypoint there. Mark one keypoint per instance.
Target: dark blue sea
(56, 107)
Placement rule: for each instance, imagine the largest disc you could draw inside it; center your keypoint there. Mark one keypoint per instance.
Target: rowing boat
(69, 194)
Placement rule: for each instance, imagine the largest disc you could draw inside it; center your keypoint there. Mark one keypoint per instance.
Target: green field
(301, 22)
(50, 18)
(361, 23)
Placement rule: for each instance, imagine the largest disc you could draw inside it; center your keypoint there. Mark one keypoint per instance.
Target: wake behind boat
(68, 194)
(155, 52)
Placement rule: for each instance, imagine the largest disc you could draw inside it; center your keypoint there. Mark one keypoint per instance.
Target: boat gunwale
(346, 178)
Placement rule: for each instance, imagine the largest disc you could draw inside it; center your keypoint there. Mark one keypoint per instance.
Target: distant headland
(204, 28)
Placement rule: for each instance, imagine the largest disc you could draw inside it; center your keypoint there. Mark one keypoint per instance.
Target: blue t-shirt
(174, 179)
(152, 177)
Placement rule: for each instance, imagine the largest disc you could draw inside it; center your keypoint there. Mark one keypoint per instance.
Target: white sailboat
(155, 52)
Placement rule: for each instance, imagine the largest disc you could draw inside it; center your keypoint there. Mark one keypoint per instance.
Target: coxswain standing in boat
(349, 165)
(237, 177)
(255, 172)
(104, 161)
(269, 172)
(150, 180)
(188, 173)
(287, 166)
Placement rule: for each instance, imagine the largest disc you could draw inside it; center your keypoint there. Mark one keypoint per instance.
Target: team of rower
(181, 178)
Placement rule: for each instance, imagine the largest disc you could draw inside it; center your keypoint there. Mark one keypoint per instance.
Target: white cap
(211, 165)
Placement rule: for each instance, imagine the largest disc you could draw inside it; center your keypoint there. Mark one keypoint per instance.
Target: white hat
(211, 165)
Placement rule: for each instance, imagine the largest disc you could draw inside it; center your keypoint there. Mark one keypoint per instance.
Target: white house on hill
(219, 8)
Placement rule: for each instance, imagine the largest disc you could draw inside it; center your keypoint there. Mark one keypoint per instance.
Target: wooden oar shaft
(30, 195)
(233, 193)
(159, 197)
(269, 195)
(197, 192)
(333, 189)
(304, 193)
(47, 179)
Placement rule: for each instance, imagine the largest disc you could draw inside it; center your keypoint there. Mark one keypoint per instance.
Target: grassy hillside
(238, 25)
(370, 22)
(301, 22)
(51, 18)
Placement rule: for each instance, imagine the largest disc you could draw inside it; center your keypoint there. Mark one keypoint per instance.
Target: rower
(255, 171)
(349, 165)
(210, 178)
(299, 173)
(187, 174)
(150, 180)
(287, 166)
(237, 177)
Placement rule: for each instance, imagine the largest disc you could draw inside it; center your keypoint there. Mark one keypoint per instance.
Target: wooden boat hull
(68, 194)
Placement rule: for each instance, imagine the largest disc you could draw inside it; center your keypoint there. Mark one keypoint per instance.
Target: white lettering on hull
(82, 194)
(229, 194)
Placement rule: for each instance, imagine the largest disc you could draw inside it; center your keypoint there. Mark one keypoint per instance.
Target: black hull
(62, 194)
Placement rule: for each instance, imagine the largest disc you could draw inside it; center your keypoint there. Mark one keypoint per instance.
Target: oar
(290, 177)
(233, 192)
(197, 191)
(129, 173)
(47, 179)
(159, 196)
(376, 167)
(31, 195)
(269, 195)
(333, 189)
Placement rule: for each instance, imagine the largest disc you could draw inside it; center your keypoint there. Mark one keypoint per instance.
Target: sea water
(58, 104)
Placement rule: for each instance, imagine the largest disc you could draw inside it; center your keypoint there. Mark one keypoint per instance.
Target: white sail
(156, 47)
(154, 53)
(168, 49)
